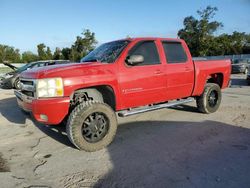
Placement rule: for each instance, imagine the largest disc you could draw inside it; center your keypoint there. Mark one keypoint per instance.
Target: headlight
(51, 87)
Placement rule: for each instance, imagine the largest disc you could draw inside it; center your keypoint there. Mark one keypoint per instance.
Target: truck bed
(210, 67)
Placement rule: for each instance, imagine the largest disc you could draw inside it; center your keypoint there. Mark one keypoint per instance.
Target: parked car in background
(11, 79)
(240, 66)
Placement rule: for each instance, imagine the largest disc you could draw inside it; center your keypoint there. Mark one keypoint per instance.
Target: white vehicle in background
(11, 79)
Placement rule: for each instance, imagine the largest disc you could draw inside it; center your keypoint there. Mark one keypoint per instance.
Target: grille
(27, 82)
(28, 87)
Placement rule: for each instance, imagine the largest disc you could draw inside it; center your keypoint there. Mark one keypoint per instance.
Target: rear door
(144, 83)
(179, 70)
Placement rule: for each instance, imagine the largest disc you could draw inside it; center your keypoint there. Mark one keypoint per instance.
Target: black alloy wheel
(95, 127)
(212, 98)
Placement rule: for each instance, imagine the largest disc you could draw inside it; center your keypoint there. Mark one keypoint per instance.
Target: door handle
(158, 72)
(187, 69)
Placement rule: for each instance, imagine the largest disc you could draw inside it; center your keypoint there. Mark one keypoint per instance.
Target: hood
(11, 66)
(64, 70)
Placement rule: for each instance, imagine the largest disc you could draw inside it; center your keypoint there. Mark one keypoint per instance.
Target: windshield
(106, 53)
(25, 67)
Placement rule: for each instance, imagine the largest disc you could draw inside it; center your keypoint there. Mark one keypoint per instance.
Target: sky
(56, 23)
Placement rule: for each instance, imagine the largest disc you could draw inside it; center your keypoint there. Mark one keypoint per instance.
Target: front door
(143, 83)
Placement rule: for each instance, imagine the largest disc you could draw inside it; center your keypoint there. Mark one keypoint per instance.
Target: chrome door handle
(158, 72)
(188, 69)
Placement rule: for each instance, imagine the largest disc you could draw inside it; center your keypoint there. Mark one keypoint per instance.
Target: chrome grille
(28, 87)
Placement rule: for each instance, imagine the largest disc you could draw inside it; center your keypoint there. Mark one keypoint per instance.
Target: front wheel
(91, 126)
(210, 99)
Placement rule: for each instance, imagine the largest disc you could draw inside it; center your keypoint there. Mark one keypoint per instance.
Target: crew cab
(122, 77)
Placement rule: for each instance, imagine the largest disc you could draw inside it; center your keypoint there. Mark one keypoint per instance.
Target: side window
(41, 64)
(174, 52)
(148, 50)
(34, 65)
(52, 63)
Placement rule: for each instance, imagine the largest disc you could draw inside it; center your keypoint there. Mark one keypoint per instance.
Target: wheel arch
(102, 93)
(217, 78)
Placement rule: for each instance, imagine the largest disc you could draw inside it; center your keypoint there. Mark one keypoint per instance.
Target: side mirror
(134, 59)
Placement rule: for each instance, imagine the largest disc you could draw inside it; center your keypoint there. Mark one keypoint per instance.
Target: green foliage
(57, 54)
(48, 54)
(235, 43)
(9, 54)
(29, 57)
(41, 51)
(199, 35)
(66, 53)
(83, 45)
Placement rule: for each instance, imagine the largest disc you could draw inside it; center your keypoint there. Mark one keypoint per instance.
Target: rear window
(174, 52)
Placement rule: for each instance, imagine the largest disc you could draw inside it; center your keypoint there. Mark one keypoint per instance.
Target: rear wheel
(210, 99)
(91, 125)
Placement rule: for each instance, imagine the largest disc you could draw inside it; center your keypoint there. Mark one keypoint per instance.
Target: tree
(246, 47)
(57, 54)
(198, 33)
(9, 54)
(66, 53)
(83, 45)
(226, 44)
(41, 51)
(238, 41)
(29, 57)
(48, 54)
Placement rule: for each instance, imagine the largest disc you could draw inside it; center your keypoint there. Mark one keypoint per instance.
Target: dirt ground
(176, 147)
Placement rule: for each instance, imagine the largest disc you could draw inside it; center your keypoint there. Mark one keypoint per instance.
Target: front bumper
(49, 111)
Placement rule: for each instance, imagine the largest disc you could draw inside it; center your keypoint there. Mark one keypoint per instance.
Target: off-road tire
(202, 101)
(77, 118)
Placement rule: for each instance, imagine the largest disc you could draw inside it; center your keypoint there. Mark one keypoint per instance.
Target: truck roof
(153, 38)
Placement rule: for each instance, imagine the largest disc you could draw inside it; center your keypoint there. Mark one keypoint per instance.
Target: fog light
(43, 117)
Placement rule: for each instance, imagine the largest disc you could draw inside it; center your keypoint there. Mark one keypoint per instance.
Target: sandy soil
(177, 147)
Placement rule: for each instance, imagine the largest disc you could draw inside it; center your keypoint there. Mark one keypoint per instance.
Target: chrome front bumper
(24, 101)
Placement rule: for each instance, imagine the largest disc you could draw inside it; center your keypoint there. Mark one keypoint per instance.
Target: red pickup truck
(127, 76)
